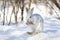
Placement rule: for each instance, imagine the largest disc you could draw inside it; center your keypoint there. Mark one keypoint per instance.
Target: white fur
(37, 21)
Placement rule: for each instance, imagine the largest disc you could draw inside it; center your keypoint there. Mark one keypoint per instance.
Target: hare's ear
(27, 9)
(32, 10)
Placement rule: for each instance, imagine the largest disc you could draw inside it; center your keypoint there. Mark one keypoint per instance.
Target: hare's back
(37, 16)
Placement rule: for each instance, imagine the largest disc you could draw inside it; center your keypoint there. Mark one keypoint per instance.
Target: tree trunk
(22, 10)
(12, 11)
(7, 11)
(17, 9)
(4, 3)
(54, 1)
(22, 13)
(11, 16)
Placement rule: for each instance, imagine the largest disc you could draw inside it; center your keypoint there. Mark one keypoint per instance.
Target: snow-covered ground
(51, 27)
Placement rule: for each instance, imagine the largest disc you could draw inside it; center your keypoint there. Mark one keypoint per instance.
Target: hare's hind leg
(39, 27)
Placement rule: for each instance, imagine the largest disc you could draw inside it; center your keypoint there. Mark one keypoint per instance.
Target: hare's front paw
(30, 33)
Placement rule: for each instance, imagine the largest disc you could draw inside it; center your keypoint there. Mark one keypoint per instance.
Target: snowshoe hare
(35, 21)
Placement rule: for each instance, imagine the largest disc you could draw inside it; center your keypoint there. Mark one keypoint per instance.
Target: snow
(51, 29)
(39, 36)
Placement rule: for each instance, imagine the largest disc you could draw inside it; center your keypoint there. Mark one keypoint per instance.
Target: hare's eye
(30, 16)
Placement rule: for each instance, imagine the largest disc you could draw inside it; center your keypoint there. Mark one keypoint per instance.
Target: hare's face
(29, 12)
